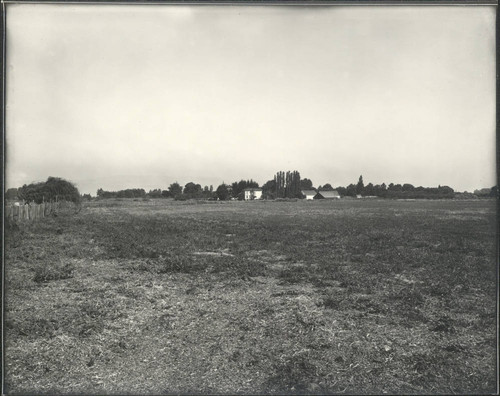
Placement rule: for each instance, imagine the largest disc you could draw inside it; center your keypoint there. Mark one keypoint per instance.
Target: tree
(175, 189)
(350, 190)
(395, 187)
(306, 184)
(287, 184)
(326, 187)
(11, 194)
(360, 185)
(222, 192)
(369, 190)
(54, 189)
(279, 182)
(207, 192)
(380, 190)
(156, 193)
(342, 191)
(192, 190)
(446, 192)
(483, 192)
(269, 189)
(293, 185)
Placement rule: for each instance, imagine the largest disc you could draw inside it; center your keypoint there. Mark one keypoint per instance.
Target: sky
(141, 96)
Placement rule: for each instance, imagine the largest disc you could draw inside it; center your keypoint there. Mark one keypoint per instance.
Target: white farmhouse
(252, 193)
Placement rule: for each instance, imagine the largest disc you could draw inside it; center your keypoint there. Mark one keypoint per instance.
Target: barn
(309, 194)
(334, 194)
(252, 193)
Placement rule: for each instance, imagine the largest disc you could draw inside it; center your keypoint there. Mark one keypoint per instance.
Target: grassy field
(132, 296)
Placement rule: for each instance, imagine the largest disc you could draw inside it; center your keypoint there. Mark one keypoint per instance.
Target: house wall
(257, 194)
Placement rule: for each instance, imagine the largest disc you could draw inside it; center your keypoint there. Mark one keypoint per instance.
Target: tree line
(392, 190)
(191, 190)
(284, 185)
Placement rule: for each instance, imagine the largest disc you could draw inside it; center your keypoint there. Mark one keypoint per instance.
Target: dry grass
(253, 297)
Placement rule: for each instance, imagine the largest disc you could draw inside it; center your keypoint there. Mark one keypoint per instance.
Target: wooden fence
(28, 212)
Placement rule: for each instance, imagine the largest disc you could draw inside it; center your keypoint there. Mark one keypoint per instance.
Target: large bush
(54, 189)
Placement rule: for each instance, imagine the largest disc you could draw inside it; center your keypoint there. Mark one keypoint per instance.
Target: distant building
(334, 194)
(309, 193)
(252, 193)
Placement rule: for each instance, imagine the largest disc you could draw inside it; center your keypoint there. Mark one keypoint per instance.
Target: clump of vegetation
(54, 189)
(55, 271)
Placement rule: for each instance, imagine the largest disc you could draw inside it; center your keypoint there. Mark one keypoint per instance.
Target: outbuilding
(309, 194)
(333, 194)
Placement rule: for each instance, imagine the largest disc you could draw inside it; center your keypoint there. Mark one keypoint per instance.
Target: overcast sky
(141, 96)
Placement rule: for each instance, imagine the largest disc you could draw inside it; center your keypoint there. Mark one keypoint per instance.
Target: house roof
(308, 192)
(253, 189)
(329, 194)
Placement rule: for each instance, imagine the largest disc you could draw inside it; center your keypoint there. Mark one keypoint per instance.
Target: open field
(253, 297)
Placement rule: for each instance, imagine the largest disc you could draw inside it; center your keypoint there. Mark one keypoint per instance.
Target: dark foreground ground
(253, 297)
